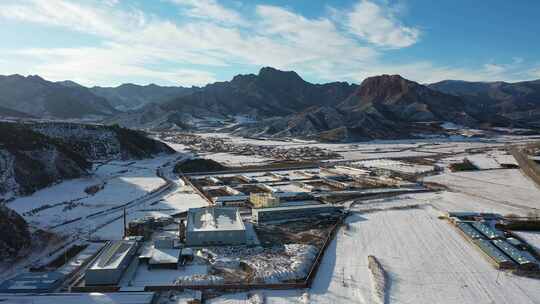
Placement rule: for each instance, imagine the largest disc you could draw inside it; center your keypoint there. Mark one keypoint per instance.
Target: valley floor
(426, 259)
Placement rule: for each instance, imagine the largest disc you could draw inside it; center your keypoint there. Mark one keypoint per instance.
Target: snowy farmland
(234, 160)
(395, 165)
(498, 189)
(427, 261)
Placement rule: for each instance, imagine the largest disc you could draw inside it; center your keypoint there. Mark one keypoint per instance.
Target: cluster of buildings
(501, 247)
(239, 205)
(270, 189)
(48, 281)
(219, 145)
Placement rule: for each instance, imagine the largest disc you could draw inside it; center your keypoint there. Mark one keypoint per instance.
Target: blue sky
(194, 42)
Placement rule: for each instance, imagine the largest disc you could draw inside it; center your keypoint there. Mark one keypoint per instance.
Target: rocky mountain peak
(278, 77)
(36, 78)
(385, 85)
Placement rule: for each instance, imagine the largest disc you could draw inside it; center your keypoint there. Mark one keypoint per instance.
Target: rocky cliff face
(401, 100)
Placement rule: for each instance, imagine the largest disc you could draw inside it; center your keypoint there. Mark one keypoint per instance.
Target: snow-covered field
(427, 261)
(491, 159)
(395, 165)
(123, 182)
(234, 160)
(497, 189)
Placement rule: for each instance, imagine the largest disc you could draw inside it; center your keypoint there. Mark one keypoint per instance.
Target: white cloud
(535, 73)
(210, 10)
(309, 40)
(427, 72)
(133, 40)
(378, 25)
(106, 63)
(494, 68)
(111, 2)
(94, 20)
(139, 45)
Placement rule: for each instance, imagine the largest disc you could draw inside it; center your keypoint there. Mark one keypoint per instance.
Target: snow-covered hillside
(36, 155)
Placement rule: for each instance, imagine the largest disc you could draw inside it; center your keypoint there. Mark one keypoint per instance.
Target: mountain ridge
(38, 97)
(282, 103)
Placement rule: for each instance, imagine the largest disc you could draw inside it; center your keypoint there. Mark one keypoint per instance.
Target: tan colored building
(263, 200)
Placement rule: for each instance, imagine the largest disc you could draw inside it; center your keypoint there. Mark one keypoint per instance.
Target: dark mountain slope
(270, 93)
(41, 98)
(518, 103)
(386, 106)
(132, 96)
(5, 112)
(399, 99)
(30, 161)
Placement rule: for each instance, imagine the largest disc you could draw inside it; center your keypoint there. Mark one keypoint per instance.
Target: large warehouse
(111, 263)
(215, 226)
(293, 212)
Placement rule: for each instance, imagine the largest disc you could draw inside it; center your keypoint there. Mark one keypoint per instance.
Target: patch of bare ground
(379, 279)
(312, 232)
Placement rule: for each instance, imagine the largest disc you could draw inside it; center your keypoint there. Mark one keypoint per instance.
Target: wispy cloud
(134, 44)
(379, 26)
(210, 10)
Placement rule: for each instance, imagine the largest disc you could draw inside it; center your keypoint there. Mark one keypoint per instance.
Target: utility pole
(125, 234)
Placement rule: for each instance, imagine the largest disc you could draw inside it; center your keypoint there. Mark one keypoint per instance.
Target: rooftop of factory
(212, 219)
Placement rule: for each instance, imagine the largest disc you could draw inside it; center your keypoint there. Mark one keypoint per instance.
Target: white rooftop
(81, 298)
(164, 256)
(113, 256)
(213, 219)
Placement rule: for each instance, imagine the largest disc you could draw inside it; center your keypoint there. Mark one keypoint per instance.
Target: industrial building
(164, 258)
(147, 225)
(215, 226)
(82, 298)
(503, 252)
(111, 264)
(524, 259)
(263, 200)
(33, 282)
(489, 232)
(293, 212)
(469, 231)
(497, 257)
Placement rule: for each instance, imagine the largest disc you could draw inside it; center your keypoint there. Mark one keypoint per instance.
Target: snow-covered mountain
(36, 155)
